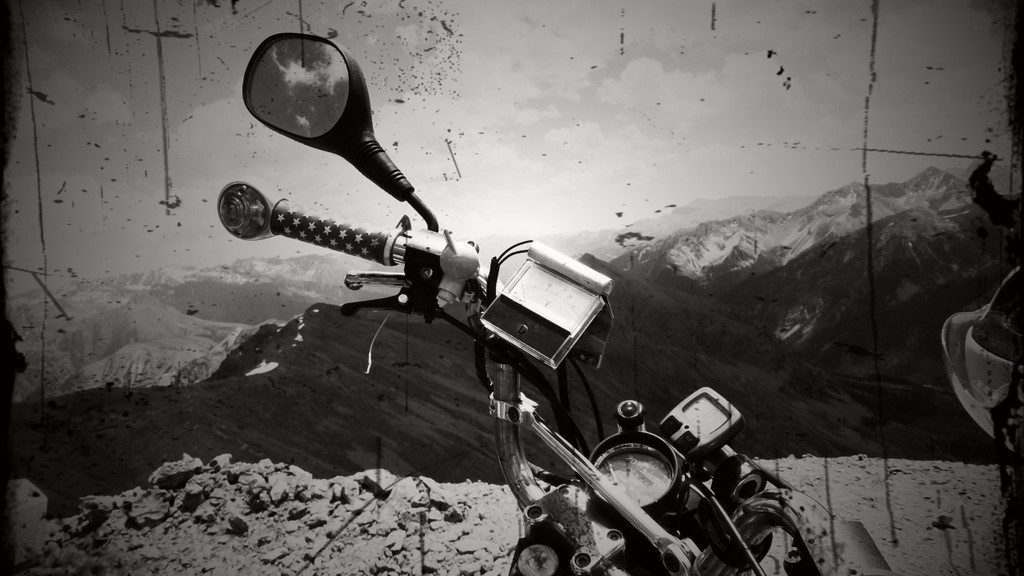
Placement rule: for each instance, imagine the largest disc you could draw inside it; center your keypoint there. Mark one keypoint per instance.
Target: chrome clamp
(518, 413)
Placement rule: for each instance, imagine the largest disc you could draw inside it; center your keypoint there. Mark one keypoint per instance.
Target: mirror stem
(423, 211)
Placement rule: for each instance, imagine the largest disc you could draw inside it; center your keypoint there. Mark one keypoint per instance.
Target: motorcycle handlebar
(248, 214)
(293, 223)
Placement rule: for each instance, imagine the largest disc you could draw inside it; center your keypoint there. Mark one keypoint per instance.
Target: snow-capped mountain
(611, 243)
(924, 267)
(721, 252)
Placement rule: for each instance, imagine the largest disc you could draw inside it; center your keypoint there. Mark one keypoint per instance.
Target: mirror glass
(298, 85)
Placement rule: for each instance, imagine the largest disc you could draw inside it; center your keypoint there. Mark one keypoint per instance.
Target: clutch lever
(357, 280)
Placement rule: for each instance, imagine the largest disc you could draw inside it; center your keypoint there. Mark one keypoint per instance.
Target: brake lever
(398, 303)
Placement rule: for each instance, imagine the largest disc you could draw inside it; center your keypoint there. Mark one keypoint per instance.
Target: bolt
(523, 329)
(614, 535)
(426, 273)
(670, 562)
(581, 560)
(403, 298)
(513, 415)
(534, 512)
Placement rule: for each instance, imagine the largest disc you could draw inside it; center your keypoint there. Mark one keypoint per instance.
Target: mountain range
(609, 244)
(698, 307)
(719, 253)
(169, 326)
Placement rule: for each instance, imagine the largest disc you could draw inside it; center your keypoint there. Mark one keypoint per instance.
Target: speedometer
(643, 465)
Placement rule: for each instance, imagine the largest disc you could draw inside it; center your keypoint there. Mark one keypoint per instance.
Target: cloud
(674, 97)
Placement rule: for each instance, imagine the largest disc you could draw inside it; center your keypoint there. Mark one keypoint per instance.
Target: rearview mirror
(312, 91)
(298, 85)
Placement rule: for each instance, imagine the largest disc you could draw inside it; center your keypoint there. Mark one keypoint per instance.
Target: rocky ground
(224, 517)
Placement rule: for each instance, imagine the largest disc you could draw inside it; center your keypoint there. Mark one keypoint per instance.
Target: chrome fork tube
(514, 465)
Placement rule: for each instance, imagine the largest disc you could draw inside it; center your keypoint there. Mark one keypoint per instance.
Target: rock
(220, 462)
(471, 568)
(206, 513)
(320, 508)
(386, 523)
(454, 515)
(406, 493)
(149, 509)
(365, 557)
(362, 501)
(470, 545)
(174, 475)
(273, 555)
(280, 487)
(299, 472)
(192, 498)
(219, 495)
(338, 494)
(237, 524)
(381, 476)
(439, 497)
(395, 540)
(432, 562)
(334, 527)
(372, 487)
(296, 542)
(259, 502)
(233, 472)
(297, 511)
(98, 503)
(253, 482)
(318, 489)
(366, 518)
(95, 510)
(150, 553)
(315, 522)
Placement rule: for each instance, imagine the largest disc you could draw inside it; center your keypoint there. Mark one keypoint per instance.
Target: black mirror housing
(351, 134)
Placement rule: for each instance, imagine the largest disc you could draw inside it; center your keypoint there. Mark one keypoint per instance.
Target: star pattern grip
(330, 234)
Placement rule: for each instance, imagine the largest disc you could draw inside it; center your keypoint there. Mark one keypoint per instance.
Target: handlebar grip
(293, 223)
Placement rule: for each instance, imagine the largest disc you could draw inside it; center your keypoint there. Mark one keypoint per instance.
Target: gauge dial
(553, 297)
(640, 470)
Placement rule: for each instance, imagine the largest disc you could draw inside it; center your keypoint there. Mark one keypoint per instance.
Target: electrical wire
(563, 387)
(531, 374)
(513, 247)
(590, 395)
(724, 521)
(563, 392)
(511, 254)
(480, 363)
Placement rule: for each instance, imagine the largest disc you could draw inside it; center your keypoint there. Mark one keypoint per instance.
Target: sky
(521, 118)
